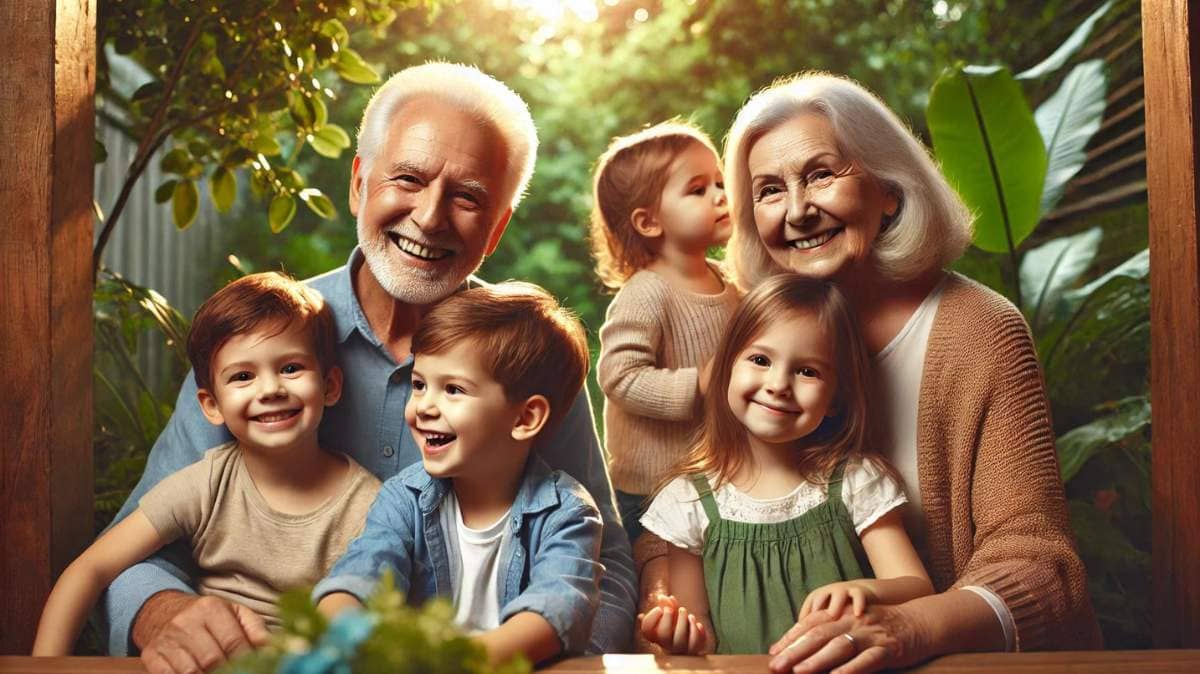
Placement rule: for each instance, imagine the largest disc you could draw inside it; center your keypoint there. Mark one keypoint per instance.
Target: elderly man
(444, 155)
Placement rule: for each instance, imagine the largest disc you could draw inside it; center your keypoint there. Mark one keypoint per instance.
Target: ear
(333, 385)
(534, 413)
(498, 231)
(355, 185)
(891, 203)
(645, 223)
(208, 405)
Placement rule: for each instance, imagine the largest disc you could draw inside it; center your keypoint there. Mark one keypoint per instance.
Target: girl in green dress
(781, 507)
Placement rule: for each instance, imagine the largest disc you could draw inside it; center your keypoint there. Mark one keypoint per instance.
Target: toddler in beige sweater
(659, 205)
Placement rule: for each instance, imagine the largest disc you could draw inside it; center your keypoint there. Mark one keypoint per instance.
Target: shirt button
(388, 451)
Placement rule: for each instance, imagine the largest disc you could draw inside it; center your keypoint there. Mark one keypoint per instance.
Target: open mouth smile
(434, 440)
(814, 241)
(275, 417)
(417, 250)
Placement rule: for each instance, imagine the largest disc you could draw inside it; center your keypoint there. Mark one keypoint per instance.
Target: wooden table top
(1090, 662)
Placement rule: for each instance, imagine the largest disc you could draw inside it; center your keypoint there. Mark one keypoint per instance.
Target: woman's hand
(676, 630)
(835, 597)
(884, 636)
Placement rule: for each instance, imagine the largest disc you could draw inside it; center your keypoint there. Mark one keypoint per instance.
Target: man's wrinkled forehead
(431, 130)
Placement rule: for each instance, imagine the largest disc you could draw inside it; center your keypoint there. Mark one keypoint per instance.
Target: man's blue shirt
(550, 567)
(368, 425)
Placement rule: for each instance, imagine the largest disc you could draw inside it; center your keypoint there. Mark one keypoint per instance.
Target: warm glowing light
(552, 12)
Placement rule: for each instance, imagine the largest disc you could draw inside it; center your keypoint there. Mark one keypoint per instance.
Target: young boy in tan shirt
(265, 513)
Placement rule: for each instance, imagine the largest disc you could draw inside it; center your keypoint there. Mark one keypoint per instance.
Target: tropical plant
(239, 85)
(1012, 166)
(131, 408)
(386, 637)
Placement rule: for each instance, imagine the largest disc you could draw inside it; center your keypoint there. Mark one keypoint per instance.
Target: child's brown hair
(264, 300)
(721, 447)
(631, 174)
(529, 343)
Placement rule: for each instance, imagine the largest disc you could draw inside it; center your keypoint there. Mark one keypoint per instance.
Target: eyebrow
(476, 188)
(796, 166)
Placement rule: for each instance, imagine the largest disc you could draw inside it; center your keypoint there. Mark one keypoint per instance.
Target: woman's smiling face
(816, 212)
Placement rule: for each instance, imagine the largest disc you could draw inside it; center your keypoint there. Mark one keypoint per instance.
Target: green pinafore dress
(757, 575)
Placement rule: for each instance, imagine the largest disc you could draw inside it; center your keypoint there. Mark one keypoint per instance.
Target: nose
(799, 206)
(778, 382)
(720, 196)
(270, 386)
(425, 405)
(429, 213)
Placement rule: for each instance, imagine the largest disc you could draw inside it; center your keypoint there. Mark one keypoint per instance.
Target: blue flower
(334, 652)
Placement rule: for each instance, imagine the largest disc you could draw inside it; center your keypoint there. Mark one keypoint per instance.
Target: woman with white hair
(824, 180)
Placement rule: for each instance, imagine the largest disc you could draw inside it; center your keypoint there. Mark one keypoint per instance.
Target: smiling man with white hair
(445, 153)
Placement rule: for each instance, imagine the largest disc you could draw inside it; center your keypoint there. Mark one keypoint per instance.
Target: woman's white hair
(468, 89)
(932, 227)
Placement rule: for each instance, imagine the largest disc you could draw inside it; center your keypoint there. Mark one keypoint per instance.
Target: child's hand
(835, 597)
(674, 628)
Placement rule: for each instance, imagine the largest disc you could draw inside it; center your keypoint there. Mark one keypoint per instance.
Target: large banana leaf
(1049, 269)
(1077, 445)
(1067, 49)
(1068, 120)
(990, 149)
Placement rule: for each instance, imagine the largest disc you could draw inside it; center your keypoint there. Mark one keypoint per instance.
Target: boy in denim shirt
(482, 520)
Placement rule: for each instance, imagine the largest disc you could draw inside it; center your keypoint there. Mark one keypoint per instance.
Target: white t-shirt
(898, 371)
(677, 516)
(475, 568)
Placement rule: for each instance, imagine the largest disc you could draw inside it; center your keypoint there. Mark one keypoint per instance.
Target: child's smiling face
(783, 382)
(460, 416)
(692, 210)
(268, 388)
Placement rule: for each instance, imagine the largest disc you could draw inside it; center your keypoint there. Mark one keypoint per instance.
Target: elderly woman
(824, 180)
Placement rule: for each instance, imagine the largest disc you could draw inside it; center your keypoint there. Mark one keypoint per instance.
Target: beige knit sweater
(993, 499)
(653, 343)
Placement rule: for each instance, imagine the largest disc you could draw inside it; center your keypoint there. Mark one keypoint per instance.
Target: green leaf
(318, 203)
(99, 152)
(265, 143)
(299, 109)
(352, 68)
(1067, 121)
(1077, 446)
(330, 141)
(165, 191)
(1049, 269)
(147, 91)
(1067, 49)
(281, 212)
(990, 149)
(222, 187)
(185, 203)
(319, 112)
(177, 161)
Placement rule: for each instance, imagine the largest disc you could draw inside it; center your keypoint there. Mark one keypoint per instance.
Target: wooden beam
(1170, 60)
(47, 132)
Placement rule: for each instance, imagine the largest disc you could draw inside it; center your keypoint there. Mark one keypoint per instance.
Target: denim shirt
(550, 567)
(368, 425)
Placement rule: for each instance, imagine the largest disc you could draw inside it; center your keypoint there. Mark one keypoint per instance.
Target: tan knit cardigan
(994, 506)
(995, 513)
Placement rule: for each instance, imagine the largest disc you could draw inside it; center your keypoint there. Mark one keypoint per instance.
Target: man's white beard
(404, 283)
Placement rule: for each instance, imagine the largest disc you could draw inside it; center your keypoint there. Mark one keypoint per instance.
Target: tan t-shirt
(247, 552)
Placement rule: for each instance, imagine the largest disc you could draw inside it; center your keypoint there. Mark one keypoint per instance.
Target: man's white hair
(932, 227)
(468, 89)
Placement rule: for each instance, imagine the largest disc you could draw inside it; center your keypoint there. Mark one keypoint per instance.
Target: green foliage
(130, 411)
(990, 149)
(387, 637)
(1090, 321)
(228, 86)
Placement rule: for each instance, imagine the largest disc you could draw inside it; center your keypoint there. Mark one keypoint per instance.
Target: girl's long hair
(721, 447)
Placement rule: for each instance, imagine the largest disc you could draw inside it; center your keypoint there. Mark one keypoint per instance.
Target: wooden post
(47, 124)
(1171, 57)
